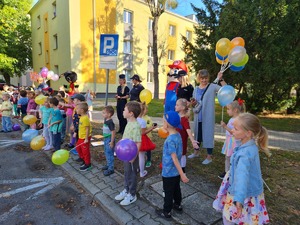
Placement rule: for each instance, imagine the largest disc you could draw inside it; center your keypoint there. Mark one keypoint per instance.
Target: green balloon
(60, 156)
(243, 62)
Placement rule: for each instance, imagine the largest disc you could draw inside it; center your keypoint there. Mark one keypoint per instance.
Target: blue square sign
(109, 44)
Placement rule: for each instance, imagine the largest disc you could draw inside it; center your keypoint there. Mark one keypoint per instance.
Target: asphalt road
(33, 191)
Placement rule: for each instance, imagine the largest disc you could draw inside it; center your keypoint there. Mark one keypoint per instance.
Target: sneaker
(121, 196)
(207, 161)
(222, 175)
(108, 172)
(144, 174)
(74, 151)
(79, 160)
(104, 168)
(163, 214)
(191, 156)
(49, 147)
(177, 207)
(128, 199)
(148, 164)
(85, 167)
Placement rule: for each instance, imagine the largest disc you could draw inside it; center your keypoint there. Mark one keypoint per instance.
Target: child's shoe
(48, 147)
(163, 214)
(104, 168)
(178, 208)
(108, 172)
(144, 174)
(121, 196)
(85, 167)
(129, 199)
(79, 160)
(148, 164)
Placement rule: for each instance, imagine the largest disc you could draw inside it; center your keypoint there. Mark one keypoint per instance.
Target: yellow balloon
(60, 156)
(37, 143)
(222, 61)
(40, 99)
(223, 46)
(146, 96)
(29, 119)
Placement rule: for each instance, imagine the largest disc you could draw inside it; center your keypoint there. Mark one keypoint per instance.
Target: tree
(15, 38)
(157, 8)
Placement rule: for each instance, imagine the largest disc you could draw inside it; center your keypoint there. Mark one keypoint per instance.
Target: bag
(198, 106)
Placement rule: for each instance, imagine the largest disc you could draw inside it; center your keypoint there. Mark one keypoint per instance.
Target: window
(172, 30)
(40, 48)
(150, 23)
(171, 54)
(127, 75)
(127, 16)
(54, 9)
(189, 35)
(38, 22)
(127, 47)
(150, 53)
(150, 77)
(46, 25)
(55, 41)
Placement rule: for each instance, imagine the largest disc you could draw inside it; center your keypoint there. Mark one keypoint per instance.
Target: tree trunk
(155, 58)
(7, 78)
(297, 105)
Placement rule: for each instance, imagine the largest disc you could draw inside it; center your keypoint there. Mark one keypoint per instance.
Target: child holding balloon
(233, 110)
(133, 132)
(44, 112)
(54, 124)
(31, 107)
(6, 109)
(171, 169)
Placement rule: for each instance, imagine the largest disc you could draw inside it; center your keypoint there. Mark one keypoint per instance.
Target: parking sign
(108, 51)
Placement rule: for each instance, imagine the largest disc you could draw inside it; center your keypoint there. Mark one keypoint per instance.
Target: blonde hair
(183, 102)
(250, 122)
(185, 81)
(143, 108)
(240, 106)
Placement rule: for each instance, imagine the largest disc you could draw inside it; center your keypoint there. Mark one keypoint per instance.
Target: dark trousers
(122, 121)
(172, 191)
(56, 140)
(130, 175)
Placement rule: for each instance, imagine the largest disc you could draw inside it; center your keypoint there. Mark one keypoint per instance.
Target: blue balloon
(29, 134)
(236, 68)
(220, 57)
(226, 95)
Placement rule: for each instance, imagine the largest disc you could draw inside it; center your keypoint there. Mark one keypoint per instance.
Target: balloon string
(76, 146)
(225, 66)
(267, 186)
(222, 118)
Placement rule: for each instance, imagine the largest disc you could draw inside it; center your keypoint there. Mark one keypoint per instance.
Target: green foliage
(15, 37)
(271, 32)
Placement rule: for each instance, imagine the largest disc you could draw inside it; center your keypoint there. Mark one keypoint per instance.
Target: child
(45, 112)
(55, 123)
(64, 120)
(69, 113)
(132, 131)
(14, 99)
(233, 110)
(84, 137)
(171, 169)
(22, 105)
(109, 134)
(31, 107)
(241, 196)
(182, 108)
(6, 110)
(147, 145)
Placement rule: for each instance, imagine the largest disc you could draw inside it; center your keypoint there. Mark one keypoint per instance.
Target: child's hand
(111, 144)
(184, 178)
(86, 140)
(72, 128)
(40, 125)
(195, 144)
(239, 208)
(223, 124)
(74, 135)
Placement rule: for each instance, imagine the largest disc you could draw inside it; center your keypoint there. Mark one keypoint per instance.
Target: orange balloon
(237, 41)
(222, 61)
(163, 133)
(29, 119)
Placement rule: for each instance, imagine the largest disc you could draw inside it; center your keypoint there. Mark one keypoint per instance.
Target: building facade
(66, 36)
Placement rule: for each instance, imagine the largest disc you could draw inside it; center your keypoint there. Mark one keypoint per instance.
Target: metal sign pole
(106, 93)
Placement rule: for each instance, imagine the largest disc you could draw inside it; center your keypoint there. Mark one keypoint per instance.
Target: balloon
(37, 143)
(126, 149)
(55, 77)
(236, 68)
(50, 74)
(221, 61)
(29, 134)
(237, 41)
(223, 46)
(243, 62)
(40, 99)
(163, 133)
(44, 72)
(16, 127)
(237, 54)
(146, 96)
(220, 57)
(61, 156)
(29, 119)
(226, 95)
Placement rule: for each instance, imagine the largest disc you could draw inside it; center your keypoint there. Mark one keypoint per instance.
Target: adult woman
(136, 88)
(121, 96)
(186, 89)
(204, 112)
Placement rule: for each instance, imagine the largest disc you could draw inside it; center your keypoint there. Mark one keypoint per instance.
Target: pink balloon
(55, 77)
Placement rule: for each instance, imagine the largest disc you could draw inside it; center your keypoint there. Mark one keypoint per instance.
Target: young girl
(44, 112)
(31, 107)
(182, 108)
(147, 144)
(233, 110)
(241, 196)
(69, 113)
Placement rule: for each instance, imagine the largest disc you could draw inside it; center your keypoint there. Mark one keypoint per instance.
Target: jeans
(172, 191)
(6, 123)
(109, 153)
(63, 128)
(56, 139)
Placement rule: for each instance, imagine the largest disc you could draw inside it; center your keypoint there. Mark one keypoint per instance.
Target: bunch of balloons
(231, 54)
(146, 96)
(126, 150)
(48, 74)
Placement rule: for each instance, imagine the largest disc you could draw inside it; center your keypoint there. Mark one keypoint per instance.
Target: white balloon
(236, 54)
(55, 77)
(50, 74)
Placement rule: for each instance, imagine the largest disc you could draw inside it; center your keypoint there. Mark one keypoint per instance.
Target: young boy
(132, 131)
(22, 106)
(6, 110)
(171, 168)
(84, 137)
(109, 134)
(54, 126)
